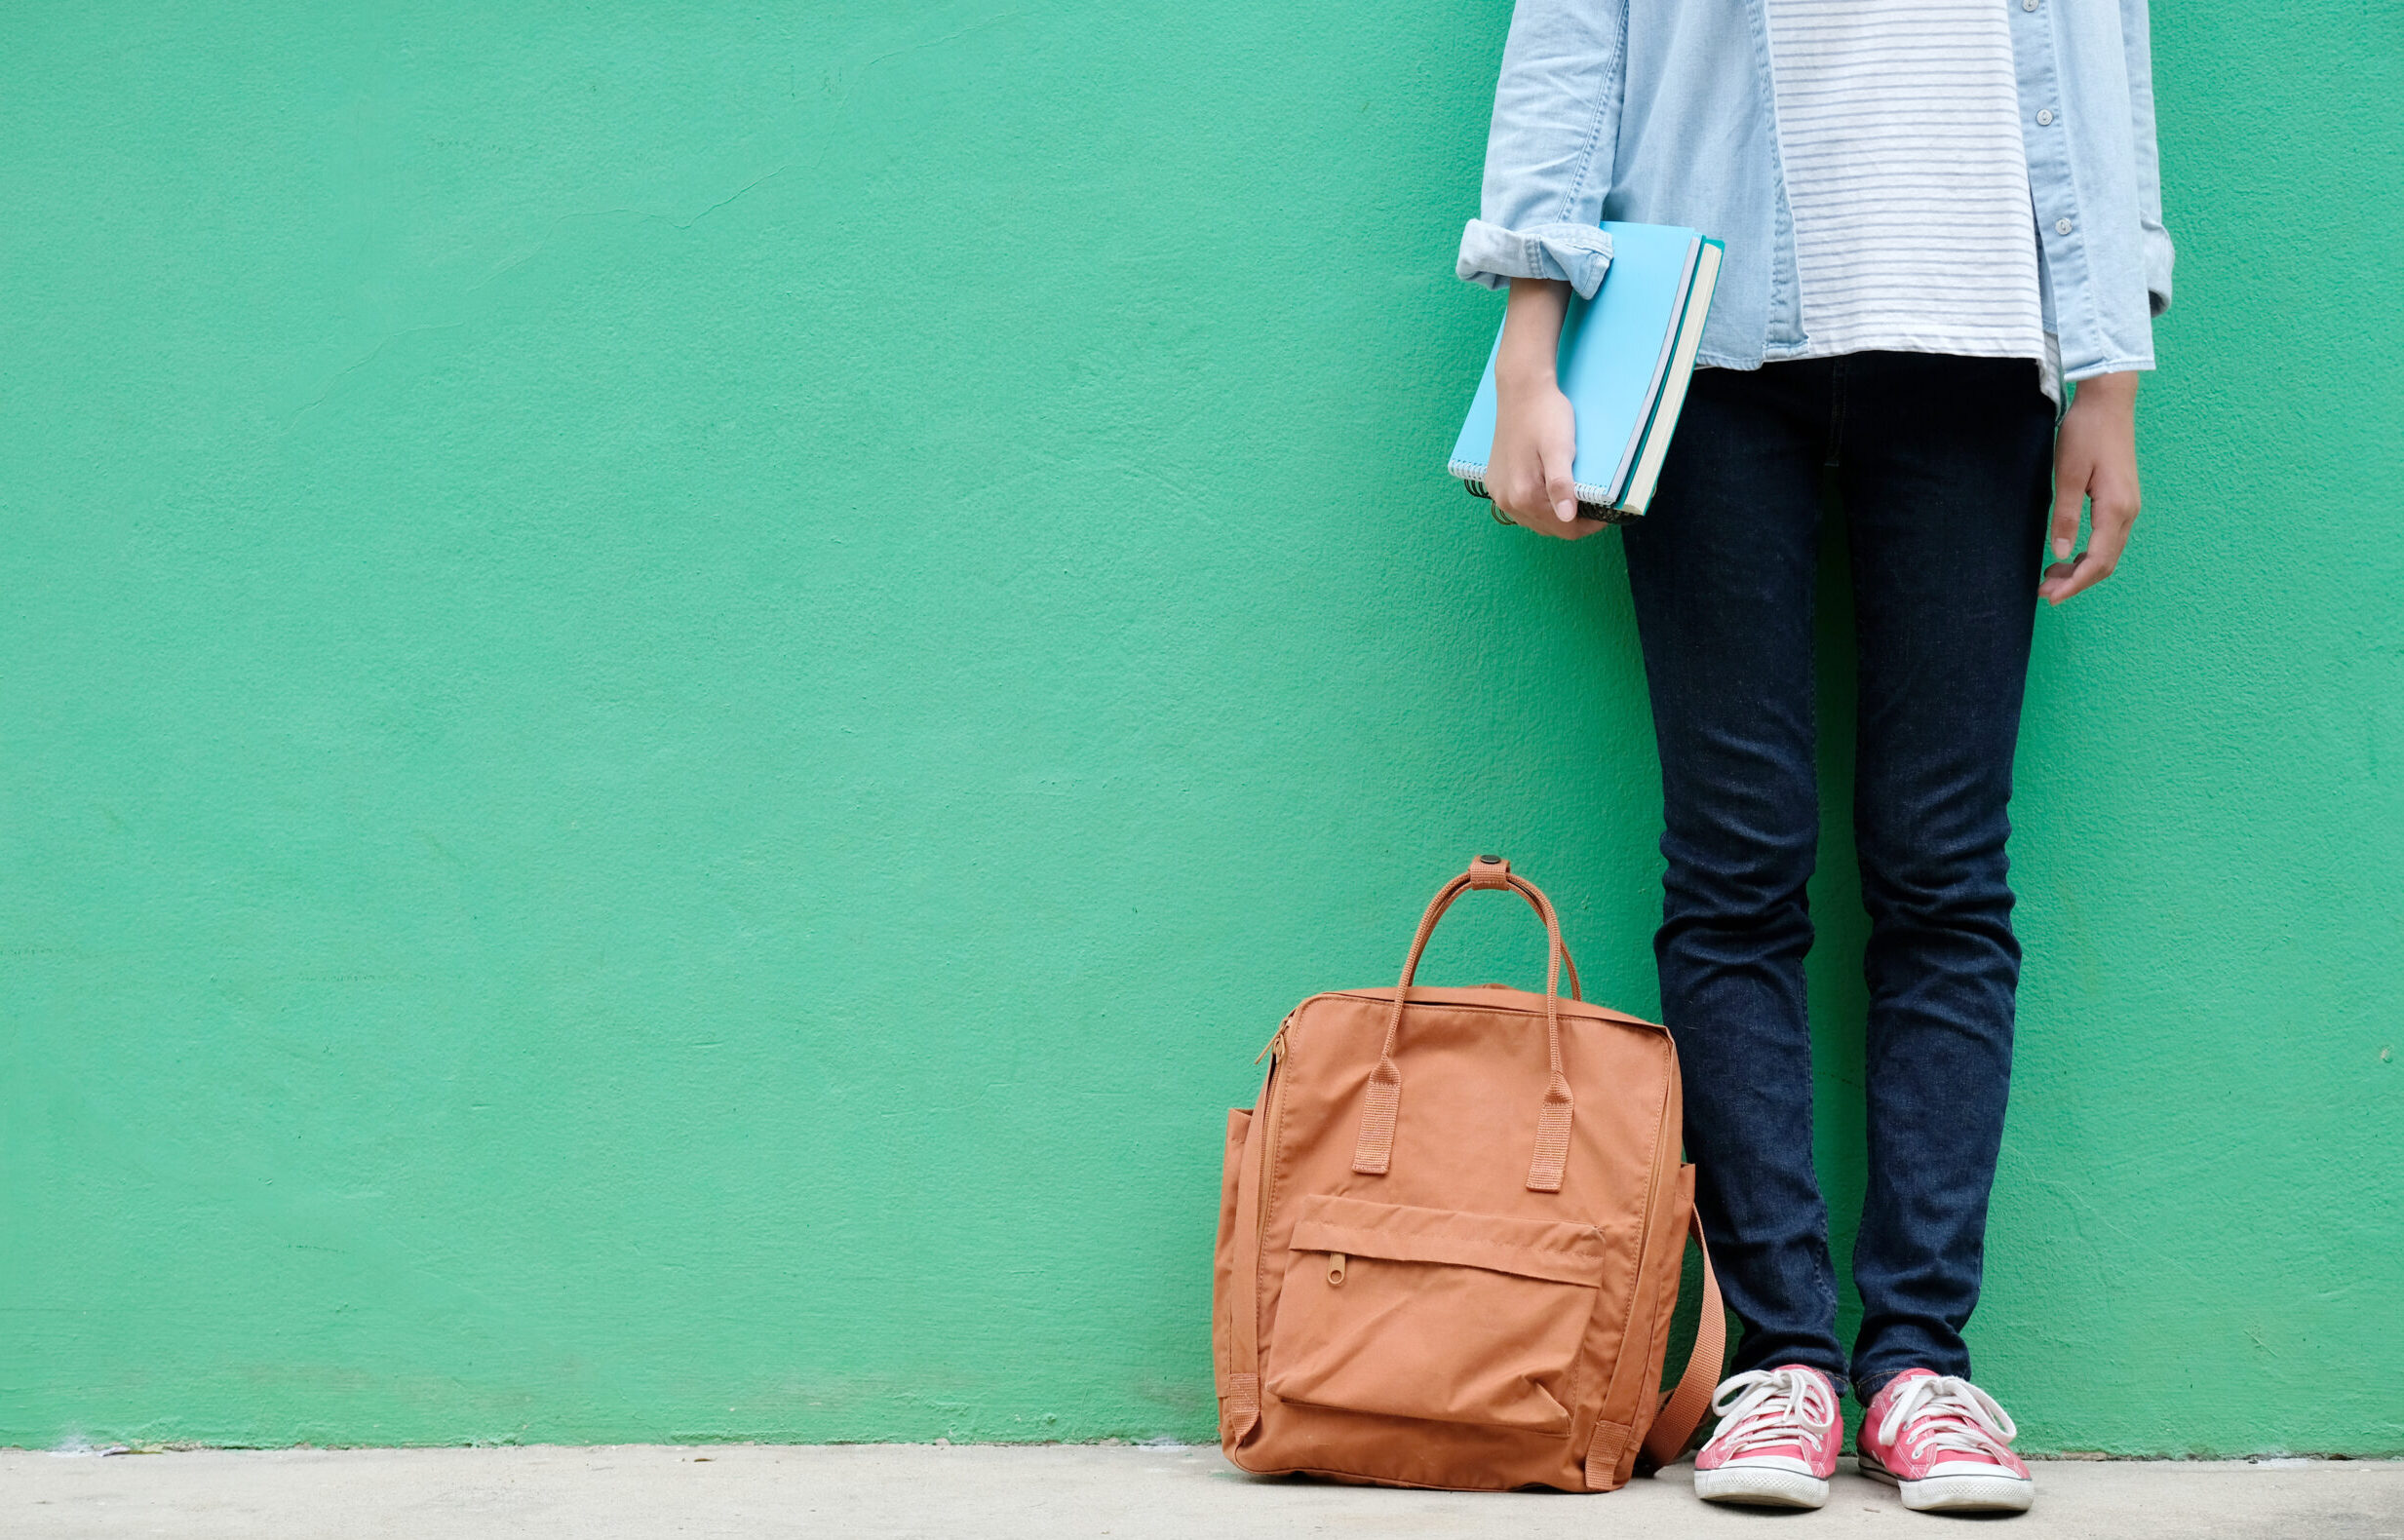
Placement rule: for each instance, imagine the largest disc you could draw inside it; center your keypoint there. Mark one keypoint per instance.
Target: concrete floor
(1167, 1494)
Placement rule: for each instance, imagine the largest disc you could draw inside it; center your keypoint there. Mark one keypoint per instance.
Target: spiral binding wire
(1602, 513)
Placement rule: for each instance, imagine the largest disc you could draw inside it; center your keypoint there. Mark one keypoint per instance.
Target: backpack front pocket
(1425, 1313)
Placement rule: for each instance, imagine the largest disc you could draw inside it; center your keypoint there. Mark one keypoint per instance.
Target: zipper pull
(1277, 1041)
(1334, 1269)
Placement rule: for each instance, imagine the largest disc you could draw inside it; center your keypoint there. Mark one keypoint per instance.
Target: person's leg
(1945, 465)
(1723, 570)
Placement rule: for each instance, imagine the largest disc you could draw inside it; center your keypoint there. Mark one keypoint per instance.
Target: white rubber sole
(1958, 1494)
(1761, 1487)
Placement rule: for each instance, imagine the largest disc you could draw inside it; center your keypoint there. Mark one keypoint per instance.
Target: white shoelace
(1943, 1413)
(1764, 1408)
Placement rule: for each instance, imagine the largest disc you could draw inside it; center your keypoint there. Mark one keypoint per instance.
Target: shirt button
(2027, 5)
(2061, 227)
(2044, 117)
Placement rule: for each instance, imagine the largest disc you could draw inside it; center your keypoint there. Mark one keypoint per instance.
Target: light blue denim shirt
(1660, 112)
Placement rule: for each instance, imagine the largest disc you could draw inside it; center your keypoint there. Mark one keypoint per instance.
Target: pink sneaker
(1941, 1441)
(1776, 1443)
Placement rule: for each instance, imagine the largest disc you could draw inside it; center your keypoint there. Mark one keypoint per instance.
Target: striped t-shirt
(1899, 123)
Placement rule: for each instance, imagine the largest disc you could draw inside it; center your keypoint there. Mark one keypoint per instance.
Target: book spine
(1689, 337)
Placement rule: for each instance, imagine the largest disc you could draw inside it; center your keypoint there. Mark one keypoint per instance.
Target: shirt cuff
(2159, 257)
(1575, 253)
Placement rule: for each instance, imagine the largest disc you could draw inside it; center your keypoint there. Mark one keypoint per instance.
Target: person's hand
(1535, 427)
(2094, 461)
(1527, 476)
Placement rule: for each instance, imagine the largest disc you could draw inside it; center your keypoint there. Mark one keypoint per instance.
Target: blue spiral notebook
(1626, 356)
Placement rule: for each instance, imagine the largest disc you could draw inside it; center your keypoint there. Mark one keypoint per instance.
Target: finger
(2113, 512)
(2070, 475)
(1560, 491)
(2064, 579)
(1526, 507)
(1550, 527)
(1535, 511)
(2065, 530)
(2077, 575)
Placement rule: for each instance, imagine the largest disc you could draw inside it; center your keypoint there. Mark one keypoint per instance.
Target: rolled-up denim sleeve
(2136, 36)
(1550, 148)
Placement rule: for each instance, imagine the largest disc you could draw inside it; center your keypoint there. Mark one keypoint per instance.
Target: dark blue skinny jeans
(1944, 468)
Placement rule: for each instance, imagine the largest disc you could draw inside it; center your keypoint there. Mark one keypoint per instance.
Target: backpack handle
(1381, 1098)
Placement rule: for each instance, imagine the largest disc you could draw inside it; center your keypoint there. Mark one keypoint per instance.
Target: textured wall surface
(684, 681)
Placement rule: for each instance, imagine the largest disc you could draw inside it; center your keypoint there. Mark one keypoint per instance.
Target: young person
(1936, 213)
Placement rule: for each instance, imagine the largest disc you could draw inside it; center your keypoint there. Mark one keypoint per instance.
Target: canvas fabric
(1451, 1234)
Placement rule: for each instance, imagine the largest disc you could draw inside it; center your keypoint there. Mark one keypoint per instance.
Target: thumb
(1560, 491)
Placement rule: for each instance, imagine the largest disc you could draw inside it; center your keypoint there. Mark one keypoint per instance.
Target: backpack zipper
(1276, 1110)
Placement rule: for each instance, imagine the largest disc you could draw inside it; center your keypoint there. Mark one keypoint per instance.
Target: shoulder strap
(1682, 1412)
(1240, 1410)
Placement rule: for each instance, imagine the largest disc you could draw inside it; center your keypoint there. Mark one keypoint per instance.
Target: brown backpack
(1451, 1234)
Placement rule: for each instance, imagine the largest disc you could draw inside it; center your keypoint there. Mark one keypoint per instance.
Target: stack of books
(1626, 356)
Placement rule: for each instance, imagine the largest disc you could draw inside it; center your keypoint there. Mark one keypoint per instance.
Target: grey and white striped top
(1899, 123)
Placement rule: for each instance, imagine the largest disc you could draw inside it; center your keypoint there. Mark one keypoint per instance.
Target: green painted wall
(684, 681)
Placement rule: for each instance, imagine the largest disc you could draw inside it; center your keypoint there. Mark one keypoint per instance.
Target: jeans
(1944, 466)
